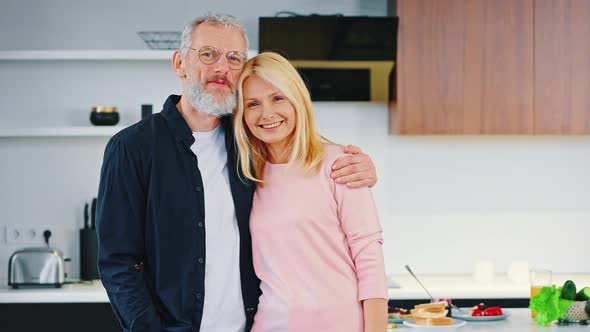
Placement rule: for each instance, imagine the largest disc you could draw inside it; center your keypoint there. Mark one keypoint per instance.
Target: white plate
(456, 323)
(458, 315)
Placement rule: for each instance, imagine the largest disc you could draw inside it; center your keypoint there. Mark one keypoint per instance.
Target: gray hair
(224, 20)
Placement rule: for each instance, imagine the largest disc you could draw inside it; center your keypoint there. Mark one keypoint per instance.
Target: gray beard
(206, 103)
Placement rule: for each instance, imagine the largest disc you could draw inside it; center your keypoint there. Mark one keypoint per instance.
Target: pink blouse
(316, 248)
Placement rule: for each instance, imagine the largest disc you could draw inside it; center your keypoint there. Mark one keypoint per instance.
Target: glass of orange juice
(539, 278)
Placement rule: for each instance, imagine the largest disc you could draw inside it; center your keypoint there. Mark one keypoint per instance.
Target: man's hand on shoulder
(356, 169)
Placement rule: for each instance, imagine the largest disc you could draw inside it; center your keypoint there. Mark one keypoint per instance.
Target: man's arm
(356, 169)
(120, 222)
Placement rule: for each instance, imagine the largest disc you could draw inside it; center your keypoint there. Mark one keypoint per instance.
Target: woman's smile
(272, 125)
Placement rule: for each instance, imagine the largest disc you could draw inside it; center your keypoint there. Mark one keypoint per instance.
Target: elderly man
(172, 217)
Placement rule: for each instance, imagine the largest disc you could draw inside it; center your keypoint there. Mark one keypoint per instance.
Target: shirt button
(200, 224)
(198, 295)
(201, 260)
(197, 188)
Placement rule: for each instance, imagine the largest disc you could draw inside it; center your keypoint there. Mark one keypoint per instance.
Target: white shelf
(35, 55)
(86, 55)
(99, 131)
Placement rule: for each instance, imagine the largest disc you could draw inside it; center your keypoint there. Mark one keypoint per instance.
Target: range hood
(341, 58)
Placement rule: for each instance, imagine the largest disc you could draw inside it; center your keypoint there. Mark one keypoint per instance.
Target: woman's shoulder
(331, 153)
(333, 150)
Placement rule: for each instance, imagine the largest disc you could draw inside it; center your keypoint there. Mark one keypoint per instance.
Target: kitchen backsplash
(444, 202)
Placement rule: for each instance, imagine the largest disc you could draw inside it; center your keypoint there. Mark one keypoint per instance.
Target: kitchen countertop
(519, 321)
(463, 286)
(458, 286)
(86, 292)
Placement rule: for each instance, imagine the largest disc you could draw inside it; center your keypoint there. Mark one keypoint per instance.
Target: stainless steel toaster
(41, 266)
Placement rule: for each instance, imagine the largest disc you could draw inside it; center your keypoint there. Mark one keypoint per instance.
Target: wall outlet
(23, 234)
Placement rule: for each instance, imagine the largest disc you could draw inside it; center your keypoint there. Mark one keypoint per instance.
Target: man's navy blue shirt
(151, 225)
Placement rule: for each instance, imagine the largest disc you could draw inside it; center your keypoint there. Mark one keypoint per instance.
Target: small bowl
(104, 116)
(161, 40)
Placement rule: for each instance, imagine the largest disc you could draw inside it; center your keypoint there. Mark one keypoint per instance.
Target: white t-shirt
(223, 309)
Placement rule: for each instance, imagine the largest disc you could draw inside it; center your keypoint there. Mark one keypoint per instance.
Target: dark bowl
(104, 116)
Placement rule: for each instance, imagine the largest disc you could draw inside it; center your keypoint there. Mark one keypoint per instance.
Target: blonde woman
(316, 244)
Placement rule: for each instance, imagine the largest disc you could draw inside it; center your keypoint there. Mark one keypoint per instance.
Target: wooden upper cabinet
(465, 67)
(562, 67)
(430, 66)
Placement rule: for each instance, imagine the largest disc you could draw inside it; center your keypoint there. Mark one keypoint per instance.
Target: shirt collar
(175, 121)
(180, 129)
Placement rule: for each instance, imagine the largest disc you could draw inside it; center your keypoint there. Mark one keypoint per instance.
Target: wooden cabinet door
(562, 67)
(465, 67)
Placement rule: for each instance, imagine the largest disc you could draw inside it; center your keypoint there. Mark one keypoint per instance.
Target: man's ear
(178, 64)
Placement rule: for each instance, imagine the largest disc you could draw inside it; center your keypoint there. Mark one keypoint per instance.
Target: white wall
(444, 201)
(113, 24)
(46, 181)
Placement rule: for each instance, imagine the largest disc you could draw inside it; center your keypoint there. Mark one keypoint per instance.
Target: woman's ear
(178, 65)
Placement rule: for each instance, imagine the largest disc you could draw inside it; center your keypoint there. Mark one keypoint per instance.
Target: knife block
(88, 254)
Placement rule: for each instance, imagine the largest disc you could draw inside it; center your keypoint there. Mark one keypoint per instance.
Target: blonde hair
(306, 144)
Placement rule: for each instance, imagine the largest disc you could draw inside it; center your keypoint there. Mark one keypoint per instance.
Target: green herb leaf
(549, 306)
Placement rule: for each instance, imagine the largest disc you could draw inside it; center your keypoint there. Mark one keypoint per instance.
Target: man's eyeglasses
(209, 55)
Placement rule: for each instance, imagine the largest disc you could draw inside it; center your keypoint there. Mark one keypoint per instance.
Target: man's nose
(221, 65)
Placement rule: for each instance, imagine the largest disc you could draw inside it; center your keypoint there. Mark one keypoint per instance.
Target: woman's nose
(267, 112)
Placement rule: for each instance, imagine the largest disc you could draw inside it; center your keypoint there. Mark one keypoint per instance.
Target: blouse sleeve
(358, 215)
